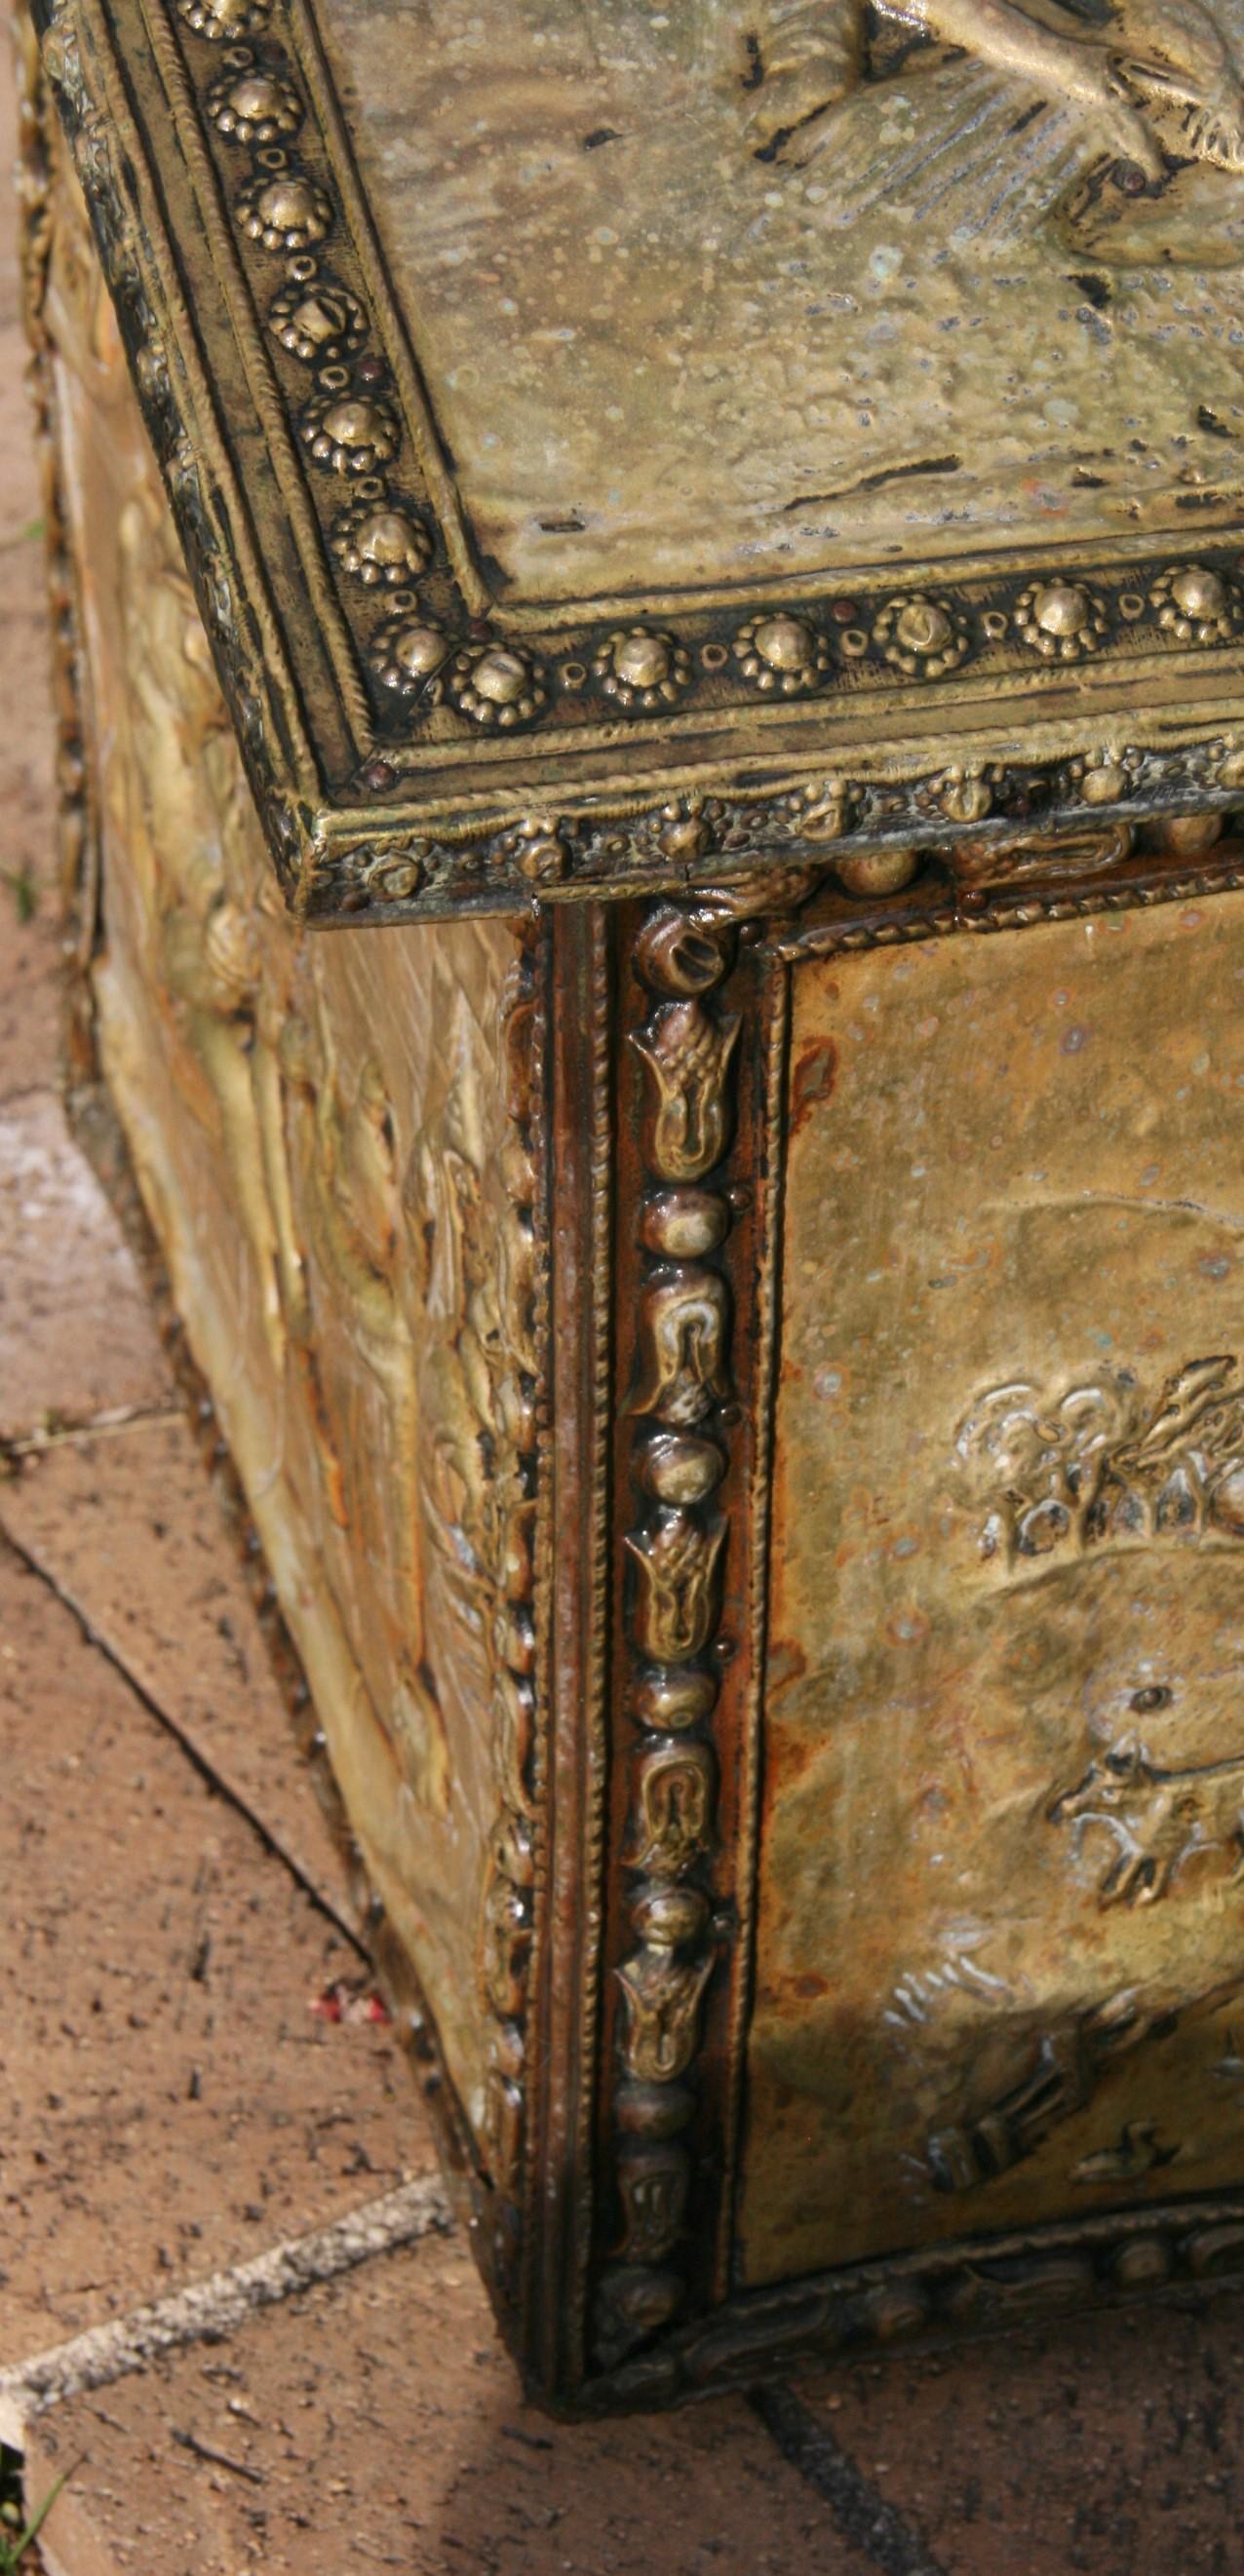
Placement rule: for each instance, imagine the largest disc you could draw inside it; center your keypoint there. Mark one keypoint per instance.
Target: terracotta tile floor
(171, 1906)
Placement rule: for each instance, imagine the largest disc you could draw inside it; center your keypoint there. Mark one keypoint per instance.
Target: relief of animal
(1157, 77)
(1158, 1817)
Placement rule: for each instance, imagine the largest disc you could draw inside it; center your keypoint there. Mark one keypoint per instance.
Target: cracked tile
(178, 2104)
(130, 1530)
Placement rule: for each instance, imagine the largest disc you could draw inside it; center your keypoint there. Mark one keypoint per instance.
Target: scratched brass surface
(317, 1130)
(1001, 1934)
(724, 368)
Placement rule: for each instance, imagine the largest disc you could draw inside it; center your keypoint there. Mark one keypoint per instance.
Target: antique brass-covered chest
(650, 624)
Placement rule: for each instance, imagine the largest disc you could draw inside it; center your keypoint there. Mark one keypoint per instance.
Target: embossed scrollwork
(684, 1338)
(504, 1543)
(682, 1401)
(652, 2182)
(677, 1564)
(688, 1056)
(663, 1983)
(675, 1795)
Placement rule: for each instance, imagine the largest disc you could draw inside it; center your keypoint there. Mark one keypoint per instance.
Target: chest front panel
(1001, 1935)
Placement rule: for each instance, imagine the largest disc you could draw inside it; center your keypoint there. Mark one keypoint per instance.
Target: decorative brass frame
(392, 797)
(665, 2321)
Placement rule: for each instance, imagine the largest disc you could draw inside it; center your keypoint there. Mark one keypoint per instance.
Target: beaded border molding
(415, 746)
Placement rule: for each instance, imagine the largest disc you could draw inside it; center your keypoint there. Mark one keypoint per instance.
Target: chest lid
(612, 444)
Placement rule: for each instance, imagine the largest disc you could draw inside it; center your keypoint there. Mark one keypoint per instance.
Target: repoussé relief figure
(1156, 80)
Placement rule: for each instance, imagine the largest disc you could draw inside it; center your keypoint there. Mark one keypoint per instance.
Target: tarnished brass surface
(1000, 1949)
(617, 448)
(319, 1132)
(665, 357)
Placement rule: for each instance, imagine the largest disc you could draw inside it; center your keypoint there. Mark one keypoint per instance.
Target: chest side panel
(329, 1141)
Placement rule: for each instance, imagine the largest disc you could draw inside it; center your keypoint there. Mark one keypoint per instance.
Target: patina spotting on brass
(718, 294)
(320, 1132)
(1000, 1962)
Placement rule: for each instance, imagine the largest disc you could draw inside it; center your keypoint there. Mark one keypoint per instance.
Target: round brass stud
(1105, 777)
(682, 1225)
(1197, 593)
(351, 433)
(653, 2110)
(1185, 836)
(540, 852)
(287, 213)
(407, 652)
(381, 547)
(681, 1469)
(395, 879)
(900, 2309)
(495, 686)
(670, 1701)
(686, 832)
(223, 21)
(254, 107)
(318, 322)
(1061, 610)
(781, 655)
(920, 637)
(1142, 2261)
(664, 1916)
(1195, 605)
(1060, 619)
(877, 872)
(639, 668)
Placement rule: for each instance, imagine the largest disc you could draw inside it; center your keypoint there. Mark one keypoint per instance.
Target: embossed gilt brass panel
(1001, 1940)
(324, 1134)
(614, 445)
(737, 1377)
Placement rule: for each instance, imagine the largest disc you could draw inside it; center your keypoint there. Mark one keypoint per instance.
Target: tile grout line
(219, 2305)
(223, 1788)
(227, 2299)
(95, 1426)
(864, 2516)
